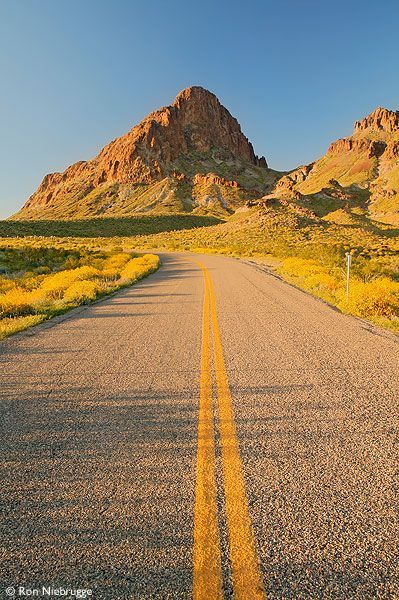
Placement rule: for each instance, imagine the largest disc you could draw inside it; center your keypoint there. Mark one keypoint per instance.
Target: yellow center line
(207, 583)
(247, 580)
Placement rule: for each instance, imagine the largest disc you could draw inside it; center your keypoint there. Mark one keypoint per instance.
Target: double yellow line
(208, 582)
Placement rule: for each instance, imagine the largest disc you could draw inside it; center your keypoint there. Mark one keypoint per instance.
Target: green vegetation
(39, 282)
(105, 227)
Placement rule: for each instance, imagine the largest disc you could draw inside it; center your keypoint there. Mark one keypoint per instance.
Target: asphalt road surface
(211, 432)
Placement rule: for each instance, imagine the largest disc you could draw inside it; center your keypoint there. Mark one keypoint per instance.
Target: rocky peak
(195, 123)
(381, 119)
(199, 123)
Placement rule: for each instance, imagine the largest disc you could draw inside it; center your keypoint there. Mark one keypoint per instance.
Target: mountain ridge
(192, 156)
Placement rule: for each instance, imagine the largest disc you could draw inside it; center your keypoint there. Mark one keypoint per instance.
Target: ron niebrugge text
(48, 592)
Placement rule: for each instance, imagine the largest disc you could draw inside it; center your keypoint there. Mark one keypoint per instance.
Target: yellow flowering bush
(376, 298)
(28, 297)
(55, 285)
(6, 284)
(17, 302)
(137, 268)
(113, 266)
(81, 291)
(302, 267)
(322, 281)
(12, 325)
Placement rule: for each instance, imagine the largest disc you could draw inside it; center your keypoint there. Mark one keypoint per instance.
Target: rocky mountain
(193, 157)
(190, 156)
(358, 175)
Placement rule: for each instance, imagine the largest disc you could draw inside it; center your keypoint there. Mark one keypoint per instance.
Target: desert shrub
(376, 298)
(6, 284)
(150, 259)
(72, 262)
(31, 257)
(113, 266)
(369, 268)
(32, 291)
(31, 283)
(322, 282)
(139, 267)
(313, 276)
(81, 291)
(110, 274)
(19, 302)
(42, 270)
(85, 272)
(55, 285)
(301, 267)
(116, 261)
(132, 272)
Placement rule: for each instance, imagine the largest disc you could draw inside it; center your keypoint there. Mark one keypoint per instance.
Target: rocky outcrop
(381, 119)
(212, 178)
(196, 122)
(370, 147)
(335, 190)
(193, 154)
(392, 151)
(288, 182)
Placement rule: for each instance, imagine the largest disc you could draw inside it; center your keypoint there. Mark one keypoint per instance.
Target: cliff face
(196, 125)
(369, 146)
(195, 122)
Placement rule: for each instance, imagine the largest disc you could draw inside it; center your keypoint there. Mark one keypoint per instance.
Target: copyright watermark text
(21, 591)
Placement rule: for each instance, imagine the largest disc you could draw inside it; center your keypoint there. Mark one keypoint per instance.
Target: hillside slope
(358, 176)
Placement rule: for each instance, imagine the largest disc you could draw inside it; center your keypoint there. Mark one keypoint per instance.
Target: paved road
(109, 473)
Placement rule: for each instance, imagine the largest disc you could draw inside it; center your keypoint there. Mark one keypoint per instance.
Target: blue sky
(76, 74)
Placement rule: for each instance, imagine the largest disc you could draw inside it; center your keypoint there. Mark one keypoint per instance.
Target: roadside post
(348, 272)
